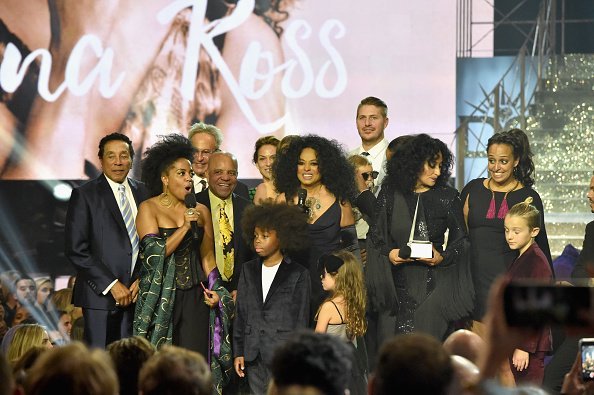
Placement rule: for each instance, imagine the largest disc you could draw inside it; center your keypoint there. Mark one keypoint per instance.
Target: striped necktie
(128, 220)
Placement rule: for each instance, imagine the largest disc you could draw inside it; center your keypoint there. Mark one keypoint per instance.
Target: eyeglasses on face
(372, 174)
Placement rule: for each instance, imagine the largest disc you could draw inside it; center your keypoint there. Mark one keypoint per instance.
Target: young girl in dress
(522, 224)
(343, 312)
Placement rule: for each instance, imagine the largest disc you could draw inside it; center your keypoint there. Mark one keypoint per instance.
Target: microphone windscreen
(190, 200)
(404, 252)
(302, 194)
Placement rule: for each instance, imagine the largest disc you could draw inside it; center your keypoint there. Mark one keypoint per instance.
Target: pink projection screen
(73, 71)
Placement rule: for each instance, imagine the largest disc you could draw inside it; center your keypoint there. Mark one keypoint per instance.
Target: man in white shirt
(206, 139)
(372, 119)
(103, 246)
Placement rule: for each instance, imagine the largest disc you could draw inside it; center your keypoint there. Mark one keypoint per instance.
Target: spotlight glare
(62, 191)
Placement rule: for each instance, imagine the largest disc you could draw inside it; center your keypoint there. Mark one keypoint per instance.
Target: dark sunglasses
(373, 175)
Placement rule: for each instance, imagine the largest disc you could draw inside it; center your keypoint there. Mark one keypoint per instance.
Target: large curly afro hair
(338, 176)
(407, 163)
(518, 141)
(312, 359)
(289, 223)
(160, 156)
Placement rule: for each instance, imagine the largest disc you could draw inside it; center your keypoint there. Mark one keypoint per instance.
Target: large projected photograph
(72, 72)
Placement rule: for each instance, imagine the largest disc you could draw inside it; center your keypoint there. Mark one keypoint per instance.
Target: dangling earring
(165, 199)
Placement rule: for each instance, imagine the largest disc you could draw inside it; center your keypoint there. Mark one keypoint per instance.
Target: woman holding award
(414, 283)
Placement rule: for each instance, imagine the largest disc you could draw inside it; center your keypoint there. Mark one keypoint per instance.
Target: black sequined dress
(422, 297)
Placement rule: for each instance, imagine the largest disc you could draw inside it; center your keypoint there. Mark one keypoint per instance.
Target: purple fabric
(8, 339)
(564, 263)
(216, 341)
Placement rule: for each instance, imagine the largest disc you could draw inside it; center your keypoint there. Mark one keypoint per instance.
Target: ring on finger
(190, 212)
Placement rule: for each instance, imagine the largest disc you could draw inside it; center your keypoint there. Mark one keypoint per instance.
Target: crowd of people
(195, 283)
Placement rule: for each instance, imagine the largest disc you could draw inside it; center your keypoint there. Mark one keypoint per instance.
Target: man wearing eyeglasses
(207, 139)
(372, 119)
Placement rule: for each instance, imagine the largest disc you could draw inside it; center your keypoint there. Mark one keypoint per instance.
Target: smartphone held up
(536, 304)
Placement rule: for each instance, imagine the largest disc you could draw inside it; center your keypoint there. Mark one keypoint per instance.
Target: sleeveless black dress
(324, 236)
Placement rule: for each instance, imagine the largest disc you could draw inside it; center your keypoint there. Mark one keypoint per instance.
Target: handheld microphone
(301, 198)
(190, 201)
(404, 252)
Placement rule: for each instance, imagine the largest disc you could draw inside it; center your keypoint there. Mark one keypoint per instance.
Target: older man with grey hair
(207, 139)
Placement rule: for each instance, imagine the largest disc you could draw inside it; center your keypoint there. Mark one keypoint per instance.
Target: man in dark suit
(230, 249)
(565, 351)
(207, 139)
(102, 243)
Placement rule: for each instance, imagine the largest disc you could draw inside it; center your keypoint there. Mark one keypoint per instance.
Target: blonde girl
(343, 312)
(522, 225)
(25, 337)
(344, 309)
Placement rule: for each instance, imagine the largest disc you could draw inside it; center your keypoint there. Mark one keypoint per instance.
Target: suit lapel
(135, 191)
(259, 283)
(106, 194)
(237, 226)
(281, 275)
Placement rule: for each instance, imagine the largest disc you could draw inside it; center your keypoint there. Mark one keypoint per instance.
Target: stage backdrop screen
(73, 71)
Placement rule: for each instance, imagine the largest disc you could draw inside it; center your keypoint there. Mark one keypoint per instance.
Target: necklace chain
(506, 192)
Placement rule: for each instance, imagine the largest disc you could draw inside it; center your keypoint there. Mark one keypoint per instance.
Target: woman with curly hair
(343, 312)
(264, 156)
(414, 291)
(314, 174)
(174, 304)
(486, 202)
(273, 291)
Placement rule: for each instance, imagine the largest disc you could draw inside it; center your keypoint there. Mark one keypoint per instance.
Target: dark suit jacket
(586, 255)
(242, 190)
(260, 325)
(243, 252)
(97, 242)
(365, 202)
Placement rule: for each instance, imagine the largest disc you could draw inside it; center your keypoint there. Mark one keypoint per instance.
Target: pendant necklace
(503, 209)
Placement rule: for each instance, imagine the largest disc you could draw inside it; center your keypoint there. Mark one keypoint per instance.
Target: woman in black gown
(181, 298)
(423, 294)
(486, 201)
(320, 168)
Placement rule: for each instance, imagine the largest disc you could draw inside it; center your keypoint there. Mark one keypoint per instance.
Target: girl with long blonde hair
(343, 313)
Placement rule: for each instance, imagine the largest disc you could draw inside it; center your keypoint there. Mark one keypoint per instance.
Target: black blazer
(97, 243)
(243, 252)
(259, 326)
(586, 256)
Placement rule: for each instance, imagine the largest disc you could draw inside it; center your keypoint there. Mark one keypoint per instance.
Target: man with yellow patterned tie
(226, 208)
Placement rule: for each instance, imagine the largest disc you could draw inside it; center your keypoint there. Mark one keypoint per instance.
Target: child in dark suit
(273, 292)
(522, 224)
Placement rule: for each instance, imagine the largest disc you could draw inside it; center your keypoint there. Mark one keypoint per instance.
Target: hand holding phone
(533, 304)
(587, 353)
